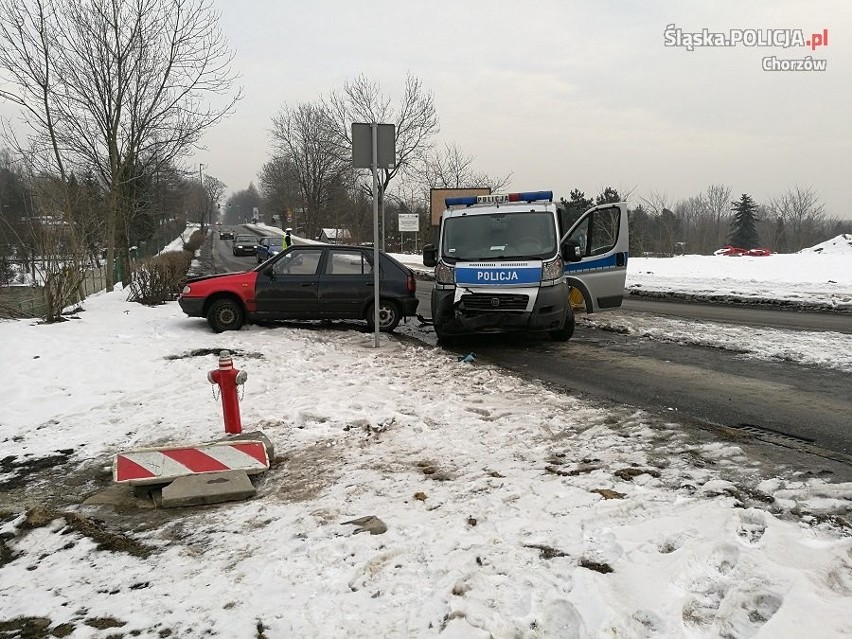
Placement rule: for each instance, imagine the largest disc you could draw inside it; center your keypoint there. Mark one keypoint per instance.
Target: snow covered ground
(511, 510)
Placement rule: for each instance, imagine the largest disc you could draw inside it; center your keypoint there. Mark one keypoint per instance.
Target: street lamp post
(201, 167)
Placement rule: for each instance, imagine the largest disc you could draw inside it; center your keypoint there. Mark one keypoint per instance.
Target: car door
(288, 288)
(597, 280)
(346, 283)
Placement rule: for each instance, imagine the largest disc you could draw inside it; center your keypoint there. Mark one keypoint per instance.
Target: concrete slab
(121, 496)
(209, 488)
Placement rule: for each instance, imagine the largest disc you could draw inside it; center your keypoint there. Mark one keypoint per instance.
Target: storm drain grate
(774, 436)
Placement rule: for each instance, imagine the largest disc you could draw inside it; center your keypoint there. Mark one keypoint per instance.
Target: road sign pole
(375, 131)
(373, 145)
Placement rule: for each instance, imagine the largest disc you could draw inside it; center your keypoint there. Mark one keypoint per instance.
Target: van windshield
(499, 235)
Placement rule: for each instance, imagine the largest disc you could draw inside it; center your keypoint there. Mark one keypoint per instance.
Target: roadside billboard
(437, 196)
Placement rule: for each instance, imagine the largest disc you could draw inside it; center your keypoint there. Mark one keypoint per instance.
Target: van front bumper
(498, 311)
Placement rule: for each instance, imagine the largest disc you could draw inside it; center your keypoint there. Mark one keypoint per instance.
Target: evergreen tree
(743, 227)
(607, 196)
(576, 206)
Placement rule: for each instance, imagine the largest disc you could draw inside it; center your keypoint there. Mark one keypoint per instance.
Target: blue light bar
(531, 196)
(466, 200)
(499, 198)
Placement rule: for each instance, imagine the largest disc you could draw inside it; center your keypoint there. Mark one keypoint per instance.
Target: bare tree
(213, 190)
(451, 168)
(415, 120)
(655, 202)
(279, 185)
(798, 215)
(667, 226)
(304, 137)
(115, 86)
(717, 201)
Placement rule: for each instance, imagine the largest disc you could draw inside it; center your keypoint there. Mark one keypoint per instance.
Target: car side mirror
(571, 251)
(430, 255)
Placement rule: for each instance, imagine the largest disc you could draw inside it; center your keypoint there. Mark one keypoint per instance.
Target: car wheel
(225, 315)
(389, 316)
(565, 333)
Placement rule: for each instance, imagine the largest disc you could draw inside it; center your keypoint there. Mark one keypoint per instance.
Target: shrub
(159, 279)
(194, 242)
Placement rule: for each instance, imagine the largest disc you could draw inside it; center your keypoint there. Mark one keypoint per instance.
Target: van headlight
(552, 272)
(444, 274)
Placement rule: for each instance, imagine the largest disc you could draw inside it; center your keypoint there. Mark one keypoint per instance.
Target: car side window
(342, 262)
(598, 233)
(604, 232)
(298, 263)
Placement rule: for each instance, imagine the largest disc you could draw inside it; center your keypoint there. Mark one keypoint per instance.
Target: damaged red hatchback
(305, 282)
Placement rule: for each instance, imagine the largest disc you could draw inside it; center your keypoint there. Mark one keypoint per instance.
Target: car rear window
(347, 263)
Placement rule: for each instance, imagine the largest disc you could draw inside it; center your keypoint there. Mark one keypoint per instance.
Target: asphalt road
(801, 407)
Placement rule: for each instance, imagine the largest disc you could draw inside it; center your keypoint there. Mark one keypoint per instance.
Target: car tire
(389, 316)
(567, 331)
(225, 315)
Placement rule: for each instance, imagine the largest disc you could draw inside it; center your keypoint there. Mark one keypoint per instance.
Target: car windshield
(244, 239)
(275, 242)
(509, 235)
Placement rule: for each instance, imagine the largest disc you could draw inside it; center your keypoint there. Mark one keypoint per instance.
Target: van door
(597, 280)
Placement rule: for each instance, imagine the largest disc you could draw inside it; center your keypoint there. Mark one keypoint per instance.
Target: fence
(28, 301)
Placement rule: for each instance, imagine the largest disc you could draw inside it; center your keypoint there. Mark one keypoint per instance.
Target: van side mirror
(571, 251)
(430, 255)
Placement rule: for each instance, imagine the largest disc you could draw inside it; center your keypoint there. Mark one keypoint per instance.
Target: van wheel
(389, 316)
(564, 334)
(225, 315)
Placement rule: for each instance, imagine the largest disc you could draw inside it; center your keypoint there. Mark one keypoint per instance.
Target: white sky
(358, 426)
(565, 94)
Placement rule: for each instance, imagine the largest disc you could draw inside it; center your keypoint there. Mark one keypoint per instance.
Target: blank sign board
(362, 146)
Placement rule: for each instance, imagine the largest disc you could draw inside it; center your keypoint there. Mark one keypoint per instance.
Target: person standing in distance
(288, 241)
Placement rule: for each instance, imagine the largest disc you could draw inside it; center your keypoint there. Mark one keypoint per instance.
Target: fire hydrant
(228, 378)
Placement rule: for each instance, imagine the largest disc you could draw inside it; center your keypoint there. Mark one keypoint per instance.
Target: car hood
(218, 276)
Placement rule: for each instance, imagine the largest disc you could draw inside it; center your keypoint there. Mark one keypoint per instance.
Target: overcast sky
(565, 94)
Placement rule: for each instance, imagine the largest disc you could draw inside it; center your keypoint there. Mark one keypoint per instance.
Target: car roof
(364, 249)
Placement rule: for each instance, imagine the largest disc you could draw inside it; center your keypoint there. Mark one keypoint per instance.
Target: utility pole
(201, 167)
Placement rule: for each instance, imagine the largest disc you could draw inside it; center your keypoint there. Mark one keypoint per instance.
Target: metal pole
(384, 232)
(375, 131)
(203, 195)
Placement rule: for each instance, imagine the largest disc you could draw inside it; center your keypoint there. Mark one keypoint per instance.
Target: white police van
(517, 262)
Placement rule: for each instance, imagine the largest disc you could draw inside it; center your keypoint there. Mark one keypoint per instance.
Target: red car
(305, 282)
(735, 251)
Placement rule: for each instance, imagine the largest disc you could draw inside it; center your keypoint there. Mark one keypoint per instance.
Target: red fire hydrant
(228, 378)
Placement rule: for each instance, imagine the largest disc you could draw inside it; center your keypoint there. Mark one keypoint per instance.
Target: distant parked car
(269, 246)
(245, 245)
(226, 235)
(305, 282)
(734, 251)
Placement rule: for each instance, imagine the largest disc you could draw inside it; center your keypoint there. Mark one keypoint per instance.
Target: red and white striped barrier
(162, 465)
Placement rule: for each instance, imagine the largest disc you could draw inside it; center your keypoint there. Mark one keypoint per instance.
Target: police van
(518, 262)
